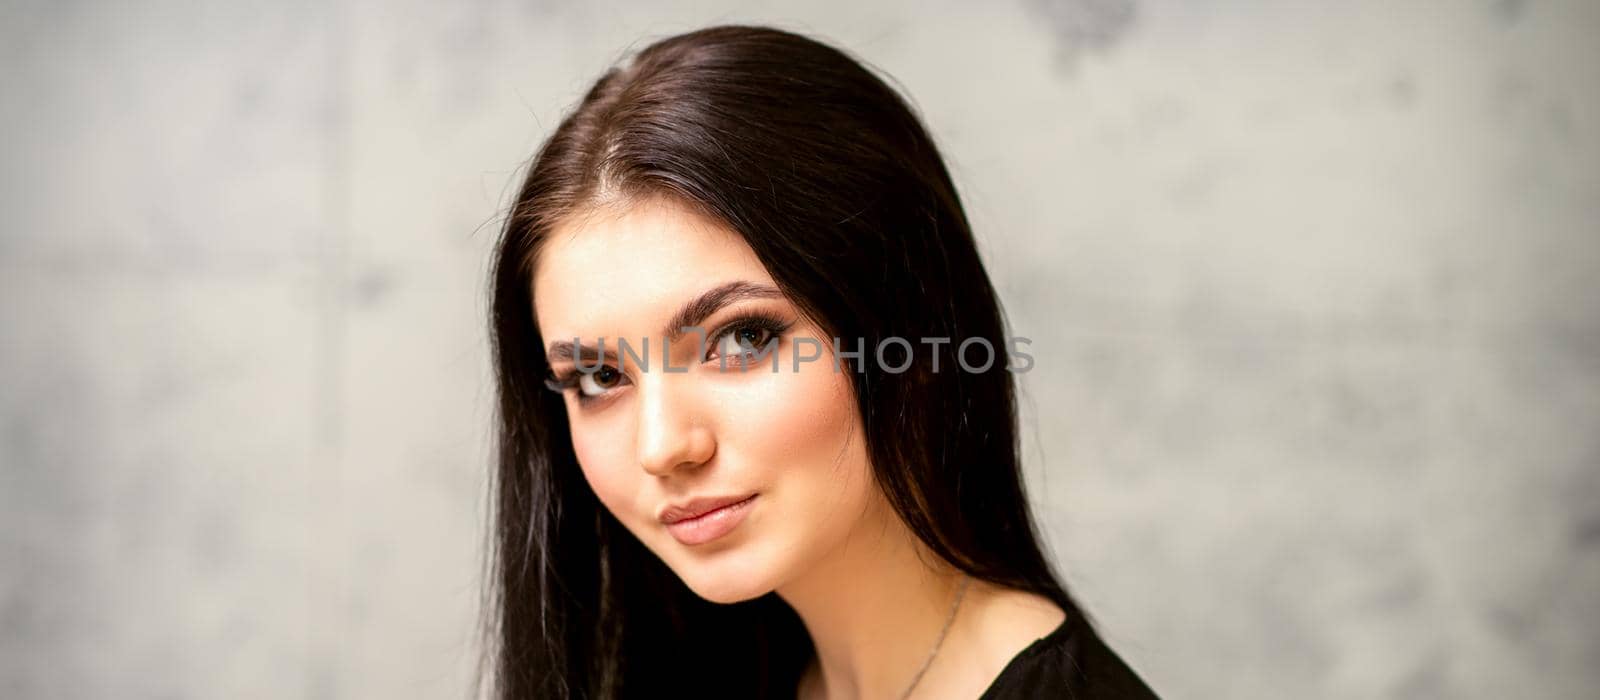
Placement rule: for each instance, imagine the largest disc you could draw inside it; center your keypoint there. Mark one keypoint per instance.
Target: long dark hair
(830, 177)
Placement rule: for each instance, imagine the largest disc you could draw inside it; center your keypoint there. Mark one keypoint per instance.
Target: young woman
(674, 515)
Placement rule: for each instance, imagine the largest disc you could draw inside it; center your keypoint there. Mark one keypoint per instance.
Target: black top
(1070, 662)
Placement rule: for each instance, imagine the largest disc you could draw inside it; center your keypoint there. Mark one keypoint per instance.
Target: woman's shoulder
(1071, 661)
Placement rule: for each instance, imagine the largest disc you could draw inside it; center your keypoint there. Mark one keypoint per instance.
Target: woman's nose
(671, 434)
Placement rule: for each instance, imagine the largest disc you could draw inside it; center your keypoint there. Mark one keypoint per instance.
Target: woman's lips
(711, 520)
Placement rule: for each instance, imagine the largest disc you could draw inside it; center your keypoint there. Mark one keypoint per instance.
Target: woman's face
(659, 444)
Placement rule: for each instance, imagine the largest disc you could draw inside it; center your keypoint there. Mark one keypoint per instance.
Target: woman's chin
(728, 595)
(720, 583)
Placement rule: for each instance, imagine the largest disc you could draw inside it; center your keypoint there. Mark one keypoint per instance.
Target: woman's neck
(874, 609)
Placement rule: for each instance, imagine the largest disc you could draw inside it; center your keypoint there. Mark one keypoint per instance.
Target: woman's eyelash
(561, 381)
(769, 326)
(573, 378)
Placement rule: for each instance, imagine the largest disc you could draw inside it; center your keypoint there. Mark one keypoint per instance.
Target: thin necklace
(935, 651)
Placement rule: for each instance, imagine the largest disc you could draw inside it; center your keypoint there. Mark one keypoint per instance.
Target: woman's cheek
(603, 461)
(790, 418)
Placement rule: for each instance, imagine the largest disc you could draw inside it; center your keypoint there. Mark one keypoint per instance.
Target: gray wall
(1312, 290)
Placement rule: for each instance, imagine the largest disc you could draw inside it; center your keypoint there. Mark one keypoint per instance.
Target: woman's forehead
(627, 265)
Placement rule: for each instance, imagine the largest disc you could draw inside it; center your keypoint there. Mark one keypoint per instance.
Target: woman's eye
(599, 381)
(734, 342)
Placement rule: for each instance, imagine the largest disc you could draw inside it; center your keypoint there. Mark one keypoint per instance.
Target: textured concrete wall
(1313, 289)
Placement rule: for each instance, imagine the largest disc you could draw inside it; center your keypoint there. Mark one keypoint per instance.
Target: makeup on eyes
(755, 328)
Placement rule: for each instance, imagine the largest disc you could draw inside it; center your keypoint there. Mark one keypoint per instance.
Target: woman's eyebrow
(567, 351)
(690, 315)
